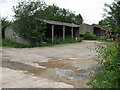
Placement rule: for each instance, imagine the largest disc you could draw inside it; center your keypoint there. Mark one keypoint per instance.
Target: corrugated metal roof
(61, 23)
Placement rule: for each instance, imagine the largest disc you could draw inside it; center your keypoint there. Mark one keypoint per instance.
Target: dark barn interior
(58, 32)
(99, 32)
(48, 31)
(76, 32)
(68, 32)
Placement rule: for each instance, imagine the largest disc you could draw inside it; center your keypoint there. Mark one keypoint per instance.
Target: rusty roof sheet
(103, 27)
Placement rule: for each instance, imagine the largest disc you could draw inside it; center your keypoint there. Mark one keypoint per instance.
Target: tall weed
(109, 76)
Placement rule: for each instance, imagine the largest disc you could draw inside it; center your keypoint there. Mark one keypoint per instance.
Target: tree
(53, 12)
(28, 24)
(109, 53)
(105, 21)
(29, 15)
(112, 20)
(79, 19)
(115, 25)
(115, 15)
(5, 23)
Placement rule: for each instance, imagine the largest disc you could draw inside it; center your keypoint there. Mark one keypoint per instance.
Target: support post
(72, 32)
(79, 33)
(63, 32)
(52, 33)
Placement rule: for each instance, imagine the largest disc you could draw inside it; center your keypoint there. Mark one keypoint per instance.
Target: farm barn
(55, 30)
(61, 30)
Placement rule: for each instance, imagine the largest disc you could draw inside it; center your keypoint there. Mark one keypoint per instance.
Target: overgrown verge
(109, 76)
(9, 43)
(109, 54)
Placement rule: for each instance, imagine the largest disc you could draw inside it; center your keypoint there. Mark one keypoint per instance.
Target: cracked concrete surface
(62, 66)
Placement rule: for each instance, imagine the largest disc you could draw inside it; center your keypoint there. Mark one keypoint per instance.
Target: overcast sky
(91, 10)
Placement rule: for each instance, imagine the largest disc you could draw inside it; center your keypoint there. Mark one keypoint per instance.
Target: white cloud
(91, 10)
(6, 8)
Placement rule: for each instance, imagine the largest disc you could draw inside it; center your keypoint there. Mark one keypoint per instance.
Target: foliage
(109, 76)
(29, 15)
(27, 23)
(109, 54)
(105, 21)
(89, 36)
(115, 15)
(9, 43)
(5, 23)
(113, 20)
(53, 12)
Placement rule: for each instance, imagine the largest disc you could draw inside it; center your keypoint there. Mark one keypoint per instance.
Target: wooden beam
(63, 32)
(52, 33)
(72, 32)
(79, 33)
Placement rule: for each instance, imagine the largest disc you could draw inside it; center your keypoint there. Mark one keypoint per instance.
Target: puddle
(71, 74)
(72, 69)
(56, 70)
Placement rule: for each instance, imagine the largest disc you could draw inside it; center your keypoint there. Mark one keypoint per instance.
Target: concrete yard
(61, 66)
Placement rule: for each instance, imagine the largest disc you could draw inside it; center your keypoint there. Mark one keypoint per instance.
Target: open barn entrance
(48, 32)
(58, 32)
(76, 32)
(99, 32)
(68, 33)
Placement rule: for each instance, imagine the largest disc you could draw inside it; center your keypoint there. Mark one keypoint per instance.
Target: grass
(9, 43)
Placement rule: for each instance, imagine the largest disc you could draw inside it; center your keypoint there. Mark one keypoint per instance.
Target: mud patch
(62, 64)
(68, 69)
(69, 64)
(21, 66)
(56, 70)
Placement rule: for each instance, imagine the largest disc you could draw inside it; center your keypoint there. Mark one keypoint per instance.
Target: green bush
(109, 76)
(89, 36)
(102, 39)
(9, 43)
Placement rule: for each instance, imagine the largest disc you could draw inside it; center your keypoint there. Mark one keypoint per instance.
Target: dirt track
(64, 66)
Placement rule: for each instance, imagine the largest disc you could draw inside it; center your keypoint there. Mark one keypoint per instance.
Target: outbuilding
(55, 30)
